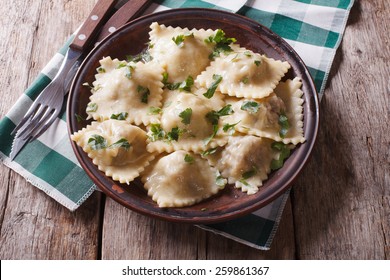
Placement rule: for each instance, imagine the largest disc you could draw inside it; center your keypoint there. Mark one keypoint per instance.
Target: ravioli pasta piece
(182, 52)
(116, 147)
(244, 73)
(183, 125)
(181, 179)
(291, 94)
(131, 88)
(258, 117)
(246, 162)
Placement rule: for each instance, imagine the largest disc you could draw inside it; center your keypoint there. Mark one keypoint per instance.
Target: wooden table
(338, 208)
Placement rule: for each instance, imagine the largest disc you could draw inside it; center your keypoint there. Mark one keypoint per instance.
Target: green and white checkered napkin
(313, 28)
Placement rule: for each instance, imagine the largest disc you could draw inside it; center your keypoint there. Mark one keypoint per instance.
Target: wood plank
(129, 235)
(341, 207)
(34, 226)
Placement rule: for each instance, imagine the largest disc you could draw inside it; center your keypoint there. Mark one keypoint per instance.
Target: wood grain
(339, 206)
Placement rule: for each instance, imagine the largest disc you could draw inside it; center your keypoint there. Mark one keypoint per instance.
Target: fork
(45, 109)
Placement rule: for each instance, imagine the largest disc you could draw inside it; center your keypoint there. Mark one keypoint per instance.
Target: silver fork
(43, 111)
(48, 105)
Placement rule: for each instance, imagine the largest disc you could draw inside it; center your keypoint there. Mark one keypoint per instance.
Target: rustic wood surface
(338, 208)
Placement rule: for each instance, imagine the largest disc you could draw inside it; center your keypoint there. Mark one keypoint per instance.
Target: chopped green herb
(179, 39)
(257, 62)
(284, 153)
(122, 64)
(144, 93)
(187, 84)
(284, 125)
(214, 116)
(79, 118)
(248, 53)
(211, 90)
(182, 86)
(156, 132)
(189, 159)
(227, 126)
(246, 175)
(165, 78)
(143, 56)
(221, 43)
(154, 110)
(219, 180)
(120, 117)
(245, 80)
(209, 152)
(211, 137)
(97, 142)
(92, 107)
(121, 143)
(174, 134)
(101, 70)
(250, 106)
(186, 116)
(129, 71)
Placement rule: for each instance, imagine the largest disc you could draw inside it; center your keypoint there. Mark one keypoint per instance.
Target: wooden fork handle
(129, 11)
(90, 28)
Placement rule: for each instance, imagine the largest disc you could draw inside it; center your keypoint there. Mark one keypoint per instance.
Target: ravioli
(244, 73)
(116, 147)
(138, 86)
(172, 48)
(181, 179)
(246, 162)
(184, 125)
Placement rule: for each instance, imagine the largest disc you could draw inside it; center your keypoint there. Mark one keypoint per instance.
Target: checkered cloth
(313, 28)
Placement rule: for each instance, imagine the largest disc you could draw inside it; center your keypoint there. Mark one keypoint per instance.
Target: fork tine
(26, 117)
(33, 121)
(49, 119)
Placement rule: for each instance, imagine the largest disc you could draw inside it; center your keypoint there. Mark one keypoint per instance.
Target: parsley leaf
(221, 43)
(165, 78)
(211, 90)
(174, 134)
(284, 125)
(144, 93)
(213, 116)
(219, 180)
(186, 116)
(156, 132)
(250, 106)
(209, 152)
(121, 116)
(79, 118)
(97, 142)
(284, 153)
(179, 39)
(92, 107)
(189, 159)
(121, 143)
(154, 110)
(246, 175)
(257, 62)
(211, 137)
(227, 126)
(182, 86)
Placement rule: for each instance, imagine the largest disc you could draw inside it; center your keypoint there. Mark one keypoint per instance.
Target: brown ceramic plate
(229, 203)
